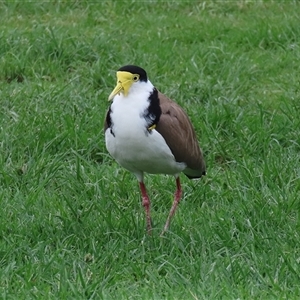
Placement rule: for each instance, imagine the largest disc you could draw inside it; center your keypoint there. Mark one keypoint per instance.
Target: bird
(146, 132)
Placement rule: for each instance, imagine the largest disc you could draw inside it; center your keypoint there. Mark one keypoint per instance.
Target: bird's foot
(166, 227)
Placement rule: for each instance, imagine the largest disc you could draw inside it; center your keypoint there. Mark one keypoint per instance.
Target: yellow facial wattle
(124, 82)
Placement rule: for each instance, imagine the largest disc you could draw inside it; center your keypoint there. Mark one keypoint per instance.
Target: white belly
(140, 152)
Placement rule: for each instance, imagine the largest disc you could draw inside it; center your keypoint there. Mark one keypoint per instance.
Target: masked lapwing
(146, 132)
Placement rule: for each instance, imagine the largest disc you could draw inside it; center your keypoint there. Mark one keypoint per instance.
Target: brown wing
(176, 128)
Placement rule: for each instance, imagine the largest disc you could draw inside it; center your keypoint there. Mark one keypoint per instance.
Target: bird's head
(126, 77)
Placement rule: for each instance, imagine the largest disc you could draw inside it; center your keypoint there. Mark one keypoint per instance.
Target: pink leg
(177, 197)
(146, 204)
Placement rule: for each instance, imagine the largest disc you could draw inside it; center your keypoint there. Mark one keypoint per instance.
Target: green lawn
(71, 221)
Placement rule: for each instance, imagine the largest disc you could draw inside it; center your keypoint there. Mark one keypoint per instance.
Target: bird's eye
(136, 78)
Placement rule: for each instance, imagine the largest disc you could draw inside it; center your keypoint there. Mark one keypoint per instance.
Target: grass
(72, 225)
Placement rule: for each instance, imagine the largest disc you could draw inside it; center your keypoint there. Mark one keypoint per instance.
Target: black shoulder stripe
(153, 112)
(108, 122)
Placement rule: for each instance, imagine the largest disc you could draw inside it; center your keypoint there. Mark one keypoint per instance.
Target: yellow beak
(124, 82)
